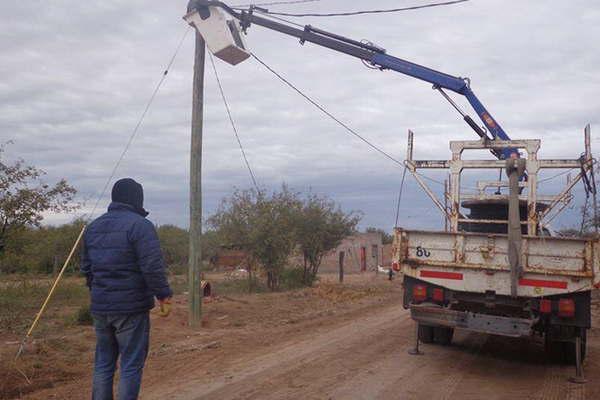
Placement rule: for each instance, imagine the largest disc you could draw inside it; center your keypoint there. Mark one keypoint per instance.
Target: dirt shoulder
(329, 342)
(236, 327)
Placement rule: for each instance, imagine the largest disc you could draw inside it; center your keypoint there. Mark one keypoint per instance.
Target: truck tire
(425, 333)
(443, 335)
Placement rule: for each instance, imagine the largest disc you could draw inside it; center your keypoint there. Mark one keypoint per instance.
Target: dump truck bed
(475, 262)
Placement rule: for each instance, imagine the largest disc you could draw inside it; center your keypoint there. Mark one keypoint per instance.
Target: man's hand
(165, 307)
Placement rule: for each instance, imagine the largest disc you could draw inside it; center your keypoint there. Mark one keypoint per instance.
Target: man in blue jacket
(125, 271)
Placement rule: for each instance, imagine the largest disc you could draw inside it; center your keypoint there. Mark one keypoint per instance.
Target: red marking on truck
(442, 275)
(543, 283)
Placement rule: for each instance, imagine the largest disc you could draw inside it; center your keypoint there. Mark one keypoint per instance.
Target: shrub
(84, 316)
(293, 278)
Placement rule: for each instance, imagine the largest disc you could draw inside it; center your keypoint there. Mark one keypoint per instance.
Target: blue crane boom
(376, 57)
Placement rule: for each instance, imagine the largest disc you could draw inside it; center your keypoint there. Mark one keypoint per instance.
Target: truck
(498, 273)
(497, 270)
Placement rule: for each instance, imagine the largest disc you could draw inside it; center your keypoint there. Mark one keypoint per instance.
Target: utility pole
(195, 256)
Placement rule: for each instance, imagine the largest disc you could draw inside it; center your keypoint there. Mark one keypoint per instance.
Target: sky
(75, 77)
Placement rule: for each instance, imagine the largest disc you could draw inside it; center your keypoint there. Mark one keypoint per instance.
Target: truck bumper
(439, 316)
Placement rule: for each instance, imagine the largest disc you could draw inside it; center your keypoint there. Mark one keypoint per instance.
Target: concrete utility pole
(195, 256)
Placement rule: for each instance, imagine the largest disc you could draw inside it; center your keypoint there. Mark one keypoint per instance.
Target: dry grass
(52, 343)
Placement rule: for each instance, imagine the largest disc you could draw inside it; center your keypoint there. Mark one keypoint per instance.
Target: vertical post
(515, 167)
(578, 378)
(446, 205)
(532, 181)
(409, 147)
(341, 262)
(455, 171)
(195, 256)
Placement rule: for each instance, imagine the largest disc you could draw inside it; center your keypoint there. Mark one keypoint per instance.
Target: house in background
(363, 252)
(229, 258)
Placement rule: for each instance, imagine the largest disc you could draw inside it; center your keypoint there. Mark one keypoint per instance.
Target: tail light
(438, 295)
(566, 308)
(545, 306)
(396, 266)
(419, 293)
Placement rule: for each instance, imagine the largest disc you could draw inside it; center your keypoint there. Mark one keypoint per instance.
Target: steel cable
(351, 13)
(252, 176)
(327, 113)
(139, 123)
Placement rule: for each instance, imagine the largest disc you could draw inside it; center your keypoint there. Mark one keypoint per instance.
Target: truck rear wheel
(425, 333)
(443, 335)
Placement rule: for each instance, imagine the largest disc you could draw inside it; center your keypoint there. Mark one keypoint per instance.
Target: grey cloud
(74, 78)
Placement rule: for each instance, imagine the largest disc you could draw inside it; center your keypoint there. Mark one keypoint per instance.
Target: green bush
(292, 278)
(84, 316)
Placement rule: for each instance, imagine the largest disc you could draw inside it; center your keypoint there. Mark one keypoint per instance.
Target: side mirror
(222, 36)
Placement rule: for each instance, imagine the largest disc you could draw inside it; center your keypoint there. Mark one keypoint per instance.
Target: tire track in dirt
(452, 382)
(367, 359)
(277, 373)
(557, 386)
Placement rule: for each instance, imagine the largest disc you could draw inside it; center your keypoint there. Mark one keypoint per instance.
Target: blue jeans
(125, 335)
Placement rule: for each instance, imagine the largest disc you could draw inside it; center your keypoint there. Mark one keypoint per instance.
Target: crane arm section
(376, 57)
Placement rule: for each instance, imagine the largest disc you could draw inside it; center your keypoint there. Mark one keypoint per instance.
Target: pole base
(415, 352)
(577, 379)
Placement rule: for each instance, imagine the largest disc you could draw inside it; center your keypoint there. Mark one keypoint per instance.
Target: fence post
(341, 266)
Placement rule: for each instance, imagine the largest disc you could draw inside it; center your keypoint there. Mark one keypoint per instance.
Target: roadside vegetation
(272, 228)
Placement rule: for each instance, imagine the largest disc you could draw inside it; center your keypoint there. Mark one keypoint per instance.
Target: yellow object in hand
(165, 307)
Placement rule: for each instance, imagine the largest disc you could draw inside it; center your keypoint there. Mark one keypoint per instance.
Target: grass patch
(238, 286)
(21, 299)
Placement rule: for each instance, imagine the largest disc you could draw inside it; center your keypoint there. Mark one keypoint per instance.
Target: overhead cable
(351, 13)
(235, 132)
(287, 21)
(400, 197)
(555, 176)
(139, 123)
(327, 113)
(345, 126)
(274, 3)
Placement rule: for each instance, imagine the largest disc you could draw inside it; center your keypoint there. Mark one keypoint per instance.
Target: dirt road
(367, 359)
(332, 342)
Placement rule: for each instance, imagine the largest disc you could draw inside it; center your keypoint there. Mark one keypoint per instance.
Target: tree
(24, 196)
(262, 225)
(41, 249)
(174, 242)
(320, 226)
(386, 238)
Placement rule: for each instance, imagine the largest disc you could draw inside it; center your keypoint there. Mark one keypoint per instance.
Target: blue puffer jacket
(123, 263)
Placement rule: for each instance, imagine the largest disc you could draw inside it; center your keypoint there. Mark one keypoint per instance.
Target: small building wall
(387, 256)
(229, 259)
(363, 252)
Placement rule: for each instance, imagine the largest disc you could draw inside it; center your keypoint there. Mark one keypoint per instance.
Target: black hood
(128, 191)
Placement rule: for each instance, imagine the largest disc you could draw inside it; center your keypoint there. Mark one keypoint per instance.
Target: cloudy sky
(75, 77)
